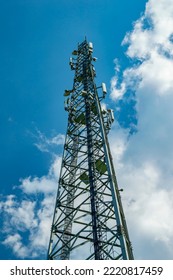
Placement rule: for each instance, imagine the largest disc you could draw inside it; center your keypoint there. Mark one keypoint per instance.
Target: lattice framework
(89, 221)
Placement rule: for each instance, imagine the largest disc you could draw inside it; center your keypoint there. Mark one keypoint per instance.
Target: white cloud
(44, 184)
(27, 218)
(47, 144)
(145, 168)
(55, 168)
(27, 225)
(117, 92)
(142, 41)
(15, 243)
(118, 141)
(22, 215)
(40, 238)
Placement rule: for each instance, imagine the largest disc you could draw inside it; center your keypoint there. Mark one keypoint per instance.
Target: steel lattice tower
(88, 221)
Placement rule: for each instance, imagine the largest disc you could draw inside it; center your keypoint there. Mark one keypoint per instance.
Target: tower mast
(88, 221)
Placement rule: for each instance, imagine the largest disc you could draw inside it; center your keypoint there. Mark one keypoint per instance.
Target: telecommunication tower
(88, 221)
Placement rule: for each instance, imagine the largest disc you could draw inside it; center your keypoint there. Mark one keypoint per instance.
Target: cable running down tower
(88, 221)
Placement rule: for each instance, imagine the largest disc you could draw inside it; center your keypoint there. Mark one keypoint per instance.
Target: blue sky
(37, 38)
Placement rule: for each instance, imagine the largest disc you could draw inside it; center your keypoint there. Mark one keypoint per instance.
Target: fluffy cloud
(27, 218)
(145, 166)
(44, 184)
(117, 91)
(27, 221)
(40, 238)
(45, 144)
(26, 227)
(152, 32)
(15, 242)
